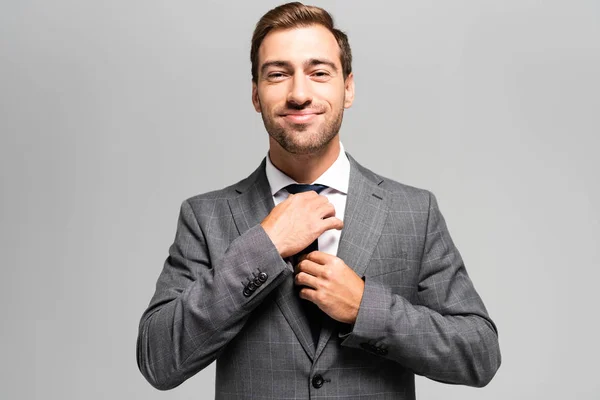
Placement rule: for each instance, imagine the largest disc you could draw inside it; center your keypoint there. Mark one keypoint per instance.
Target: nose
(300, 91)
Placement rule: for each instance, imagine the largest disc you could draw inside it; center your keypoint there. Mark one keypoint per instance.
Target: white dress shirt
(337, 178)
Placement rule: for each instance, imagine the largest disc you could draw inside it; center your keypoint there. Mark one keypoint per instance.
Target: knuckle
(320, 298)
(305, 294)
(319, 201)
(317, 229)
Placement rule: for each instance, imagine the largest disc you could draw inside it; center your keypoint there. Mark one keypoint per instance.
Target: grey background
(113, 112)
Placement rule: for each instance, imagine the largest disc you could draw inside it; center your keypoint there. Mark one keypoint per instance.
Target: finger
(301, 257)
(326, 210)
(304, 279)
(309, 194)
(332, 223)
(302, 196)
(319, 258)
(307, 266)
(308, 294)
(319, 200)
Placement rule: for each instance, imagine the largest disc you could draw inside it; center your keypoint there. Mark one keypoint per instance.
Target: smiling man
(313, 277)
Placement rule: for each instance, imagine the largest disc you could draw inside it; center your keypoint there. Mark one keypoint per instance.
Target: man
(313, 277)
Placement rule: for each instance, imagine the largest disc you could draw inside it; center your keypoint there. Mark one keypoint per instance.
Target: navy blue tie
(295, 188)
(312, 311)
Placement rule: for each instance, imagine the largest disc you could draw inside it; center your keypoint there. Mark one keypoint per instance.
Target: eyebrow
(308, 63)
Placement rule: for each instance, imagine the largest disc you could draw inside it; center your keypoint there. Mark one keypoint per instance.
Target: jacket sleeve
(199, 304)
(447, 334)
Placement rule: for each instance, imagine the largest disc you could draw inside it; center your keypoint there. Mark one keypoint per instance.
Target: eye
(275, 76)
(321, 75)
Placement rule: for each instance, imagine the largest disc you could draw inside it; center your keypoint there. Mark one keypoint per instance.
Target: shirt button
(317, 381)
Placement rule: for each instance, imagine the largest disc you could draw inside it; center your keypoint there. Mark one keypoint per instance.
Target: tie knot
(300, 188)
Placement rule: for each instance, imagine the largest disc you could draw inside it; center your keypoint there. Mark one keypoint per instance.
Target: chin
(301, 147)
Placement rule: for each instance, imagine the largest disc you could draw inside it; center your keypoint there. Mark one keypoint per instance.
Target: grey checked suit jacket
(419, 314)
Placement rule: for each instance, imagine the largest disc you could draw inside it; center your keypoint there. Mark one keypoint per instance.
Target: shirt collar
(336, 177)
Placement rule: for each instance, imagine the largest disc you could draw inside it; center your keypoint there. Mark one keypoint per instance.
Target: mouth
(300, 117)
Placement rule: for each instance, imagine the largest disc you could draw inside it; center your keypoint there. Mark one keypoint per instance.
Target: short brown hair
(293, 15)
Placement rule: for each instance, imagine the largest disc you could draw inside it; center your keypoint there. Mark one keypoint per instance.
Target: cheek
(333, 95)
(272, 97)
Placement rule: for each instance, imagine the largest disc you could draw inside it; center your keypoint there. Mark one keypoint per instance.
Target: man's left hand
(332, 285)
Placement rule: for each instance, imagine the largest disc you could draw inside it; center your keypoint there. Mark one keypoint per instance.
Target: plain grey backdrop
(113, 112)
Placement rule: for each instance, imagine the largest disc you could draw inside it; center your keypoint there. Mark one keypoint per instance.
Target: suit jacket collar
(366, 209)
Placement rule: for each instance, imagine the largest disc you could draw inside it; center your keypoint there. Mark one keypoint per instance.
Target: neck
(304, 168)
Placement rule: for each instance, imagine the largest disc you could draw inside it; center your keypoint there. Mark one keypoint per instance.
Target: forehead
(299, 44)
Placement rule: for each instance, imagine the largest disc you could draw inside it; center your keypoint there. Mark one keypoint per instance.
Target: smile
(300, 118)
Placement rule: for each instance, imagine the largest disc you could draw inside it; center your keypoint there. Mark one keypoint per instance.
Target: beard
(302, 138)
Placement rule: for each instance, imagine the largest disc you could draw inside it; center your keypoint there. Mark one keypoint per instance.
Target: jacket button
(251, 286)
(317, 381)
(257, 282)
(247, 292)
(263, 277)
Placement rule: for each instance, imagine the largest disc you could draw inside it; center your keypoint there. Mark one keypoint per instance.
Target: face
(300, 91)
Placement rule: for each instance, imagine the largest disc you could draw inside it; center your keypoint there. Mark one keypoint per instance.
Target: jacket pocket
(383, 266)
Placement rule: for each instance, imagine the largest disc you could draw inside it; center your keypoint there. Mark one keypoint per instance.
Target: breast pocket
(386, 266)
(394, 253)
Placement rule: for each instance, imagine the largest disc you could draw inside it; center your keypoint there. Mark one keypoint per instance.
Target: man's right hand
(298, 220)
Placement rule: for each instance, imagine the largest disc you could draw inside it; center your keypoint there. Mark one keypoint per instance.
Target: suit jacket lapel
(253, 204)
(366, 209)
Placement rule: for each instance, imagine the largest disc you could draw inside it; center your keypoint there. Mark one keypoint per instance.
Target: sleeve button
(263, 277)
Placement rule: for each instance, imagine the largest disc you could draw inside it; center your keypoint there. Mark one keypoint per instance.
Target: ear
(255, 99)
(349, 91)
